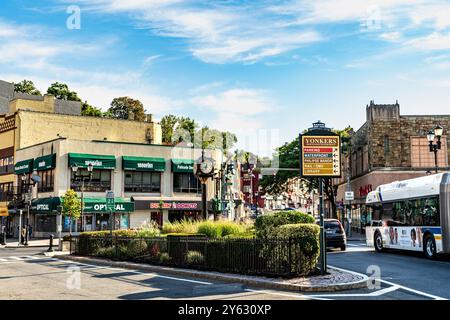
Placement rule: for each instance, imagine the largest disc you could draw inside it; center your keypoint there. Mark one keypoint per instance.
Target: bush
(210, 229)
(148, 229)
(194, 258)
(183, 226)
(164, 258)
(266, 225)
(307, 234)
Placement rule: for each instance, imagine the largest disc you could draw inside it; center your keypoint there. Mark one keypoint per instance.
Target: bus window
(431, 212)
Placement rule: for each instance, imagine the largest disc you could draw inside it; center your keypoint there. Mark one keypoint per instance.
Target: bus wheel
(429, 247)
(378, 242)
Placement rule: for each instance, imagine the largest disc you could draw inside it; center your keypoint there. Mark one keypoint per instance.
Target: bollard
(50, 249)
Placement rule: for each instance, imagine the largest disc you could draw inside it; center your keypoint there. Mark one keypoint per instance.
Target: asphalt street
(27, 274)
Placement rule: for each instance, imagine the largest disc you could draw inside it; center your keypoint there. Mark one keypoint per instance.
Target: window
(417, 212)
(47, 180)
(422, 157)
(186, 182)
(6, 191)
(6, 165)
(100, 182)
(142, 181)
(45, 223)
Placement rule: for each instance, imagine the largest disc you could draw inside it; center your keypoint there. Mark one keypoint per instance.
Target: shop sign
(364, 190)
(320, 155)
(175, 205)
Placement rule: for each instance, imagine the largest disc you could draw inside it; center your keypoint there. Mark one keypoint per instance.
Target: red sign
(176, 205)
(364, 190)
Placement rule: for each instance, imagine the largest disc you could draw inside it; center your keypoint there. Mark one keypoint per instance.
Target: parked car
(335, 234)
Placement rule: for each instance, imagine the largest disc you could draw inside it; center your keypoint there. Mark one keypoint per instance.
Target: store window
(142, 181)
(6, 191)
(47, 180)
(186, 182)
(100, 182)
(45, 223)
(7, 165)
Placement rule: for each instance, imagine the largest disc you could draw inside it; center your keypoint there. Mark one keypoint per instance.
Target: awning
(45, 162)
(143, 164)
(94, 205)
(45, 205)
(183, 165)
(83, 160)
(25, 166)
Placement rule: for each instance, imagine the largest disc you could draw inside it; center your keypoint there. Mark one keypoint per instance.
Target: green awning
(183, 165)
(45, 205)
(25, 166)
(143, 164)
(45, 162)
(83, 160)
(94, 205)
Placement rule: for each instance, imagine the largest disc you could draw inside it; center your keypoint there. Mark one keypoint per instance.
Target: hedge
(266, 225)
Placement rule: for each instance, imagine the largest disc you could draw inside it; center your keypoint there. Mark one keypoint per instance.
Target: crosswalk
(21, 258)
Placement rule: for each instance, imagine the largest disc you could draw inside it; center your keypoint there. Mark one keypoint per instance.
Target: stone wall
(6, 94)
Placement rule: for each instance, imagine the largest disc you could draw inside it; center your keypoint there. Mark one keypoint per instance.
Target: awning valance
(94, 205)
(45, 205)
(25, 166)
(183, 165)
(45, 162)
(83, 160)
(143, 164)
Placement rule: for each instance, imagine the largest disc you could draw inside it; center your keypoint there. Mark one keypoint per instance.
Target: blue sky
(263, 69)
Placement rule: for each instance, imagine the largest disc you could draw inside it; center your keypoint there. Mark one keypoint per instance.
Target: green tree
(168, 123)
(127, 108)
(62, 91)
(26, 86)
(91, 111)
(289, 157)
(71, 206)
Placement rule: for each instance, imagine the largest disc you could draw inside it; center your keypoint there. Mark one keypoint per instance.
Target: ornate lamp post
(82, 178)
(35, 179)
(434, 147)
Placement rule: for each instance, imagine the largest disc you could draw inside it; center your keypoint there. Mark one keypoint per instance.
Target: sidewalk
(356, 236)
(14, 243)
(336, 279)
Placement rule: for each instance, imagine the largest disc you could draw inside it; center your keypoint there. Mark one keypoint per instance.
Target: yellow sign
(320, 156)
(3, 212)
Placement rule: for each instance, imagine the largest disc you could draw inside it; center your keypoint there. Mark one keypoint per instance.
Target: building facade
(388, 147)
(150, 183)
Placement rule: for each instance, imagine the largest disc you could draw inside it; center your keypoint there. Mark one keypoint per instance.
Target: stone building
(388, 147)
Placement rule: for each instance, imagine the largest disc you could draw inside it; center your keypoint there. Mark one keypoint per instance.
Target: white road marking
(287, 294)
(137, 272)
(3, 260)
(372, 294)
(17, 258)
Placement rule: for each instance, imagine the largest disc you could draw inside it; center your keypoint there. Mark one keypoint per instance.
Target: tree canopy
(126, 108)
(71, 206)
(26, 86)
(62, 91)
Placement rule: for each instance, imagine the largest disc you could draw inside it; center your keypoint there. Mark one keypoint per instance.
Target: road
(26, 274)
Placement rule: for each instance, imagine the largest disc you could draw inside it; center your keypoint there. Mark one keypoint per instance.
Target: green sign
(98, 161)
(94, 205)
(45, 205)
(183, 165)
(143, 164)
(45, 162)
(25, 166)
(110, 200)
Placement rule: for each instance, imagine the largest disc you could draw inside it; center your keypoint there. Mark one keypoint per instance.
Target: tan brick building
(389, 147)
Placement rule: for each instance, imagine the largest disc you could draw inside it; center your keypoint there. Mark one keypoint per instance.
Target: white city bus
(411, 214)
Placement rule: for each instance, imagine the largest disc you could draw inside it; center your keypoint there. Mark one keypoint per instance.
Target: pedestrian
(30, 232)
(23, 233)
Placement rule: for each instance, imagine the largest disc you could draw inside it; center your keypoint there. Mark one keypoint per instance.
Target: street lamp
(434, 147)
(82, 178)
(35, 179)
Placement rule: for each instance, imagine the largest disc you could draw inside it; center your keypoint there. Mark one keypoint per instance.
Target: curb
(248, 280)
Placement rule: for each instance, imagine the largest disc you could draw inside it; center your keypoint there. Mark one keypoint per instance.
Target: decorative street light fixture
(35, 179)
(434, 147)
(82, 178)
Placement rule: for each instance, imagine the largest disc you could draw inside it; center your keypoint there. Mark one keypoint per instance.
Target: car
(335, 234)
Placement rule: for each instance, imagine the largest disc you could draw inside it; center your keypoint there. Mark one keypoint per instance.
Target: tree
(26, 86)
(168, 123)
(289, 157)
(127, 108)
(61, 91)
(91, 111)
(71, 206)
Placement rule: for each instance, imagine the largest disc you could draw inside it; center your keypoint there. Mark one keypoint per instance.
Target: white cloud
(432, 42)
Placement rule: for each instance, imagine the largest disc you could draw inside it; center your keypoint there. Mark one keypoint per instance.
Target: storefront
(98, 217)
(44, 211)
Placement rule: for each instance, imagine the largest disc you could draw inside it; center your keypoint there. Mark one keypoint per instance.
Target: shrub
(266, 225)
(148, 229)
(194, 258)
(210, 229)
(106, 252)
(164, 257)
(183, 226)
(230, 228)
(307, 234)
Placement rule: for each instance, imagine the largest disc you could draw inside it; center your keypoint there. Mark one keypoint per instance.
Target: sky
(264, 70)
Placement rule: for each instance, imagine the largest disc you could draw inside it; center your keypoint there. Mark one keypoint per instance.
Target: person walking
(23, 233)
(30, 232)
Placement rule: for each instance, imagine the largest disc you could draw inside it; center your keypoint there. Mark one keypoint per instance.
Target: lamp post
(82, 178)
(36, 179)
(434, 147)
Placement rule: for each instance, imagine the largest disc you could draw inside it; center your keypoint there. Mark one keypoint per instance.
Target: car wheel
(343, 247)
(378, 242)
(429, 247)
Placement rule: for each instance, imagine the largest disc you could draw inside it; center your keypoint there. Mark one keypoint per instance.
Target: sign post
(320, 157)
(110, 207)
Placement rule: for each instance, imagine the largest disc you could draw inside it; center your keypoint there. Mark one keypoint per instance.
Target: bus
(411, 214)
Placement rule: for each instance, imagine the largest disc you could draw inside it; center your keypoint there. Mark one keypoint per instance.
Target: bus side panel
(445, 212)
(369, 236)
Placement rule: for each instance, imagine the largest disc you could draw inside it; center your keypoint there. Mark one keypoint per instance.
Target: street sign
(320, 155)
(110, 200)
(349, 196)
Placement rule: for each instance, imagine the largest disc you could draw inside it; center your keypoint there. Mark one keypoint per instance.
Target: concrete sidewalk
(356, 236)
(335, 280)
(14, 243)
